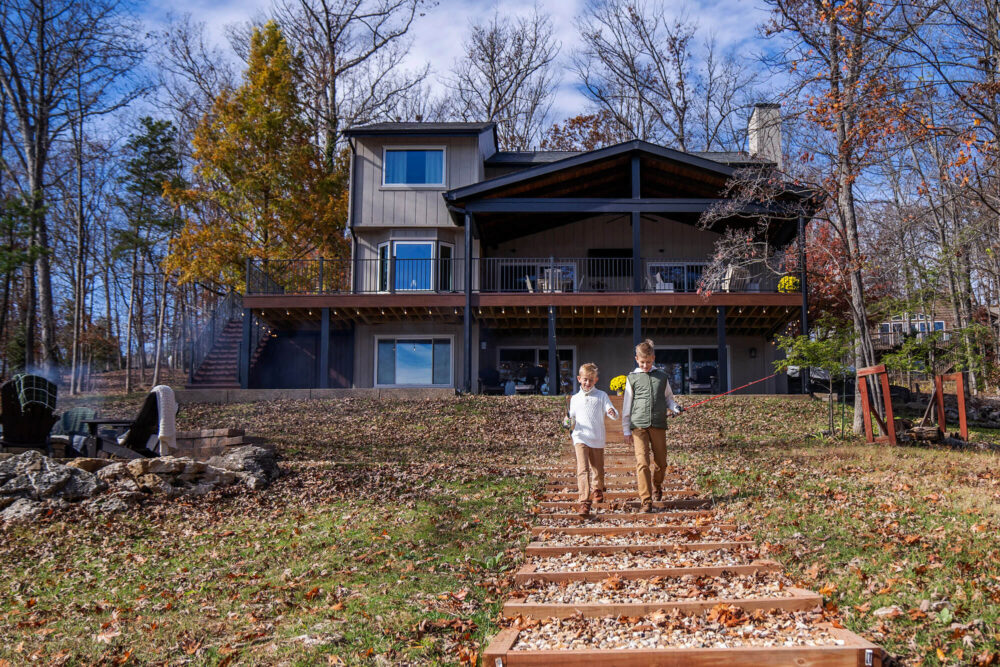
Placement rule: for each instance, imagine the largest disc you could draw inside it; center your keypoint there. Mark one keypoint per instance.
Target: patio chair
(735, 279)
(154, 431)
(489, 382)
(27, 403)
(527, 281)
(662, 285)
(70, 432)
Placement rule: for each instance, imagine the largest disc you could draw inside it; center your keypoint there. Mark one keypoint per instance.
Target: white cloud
(438, 34)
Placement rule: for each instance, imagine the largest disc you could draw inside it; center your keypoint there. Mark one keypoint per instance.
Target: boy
(644, 422)
(586, 413)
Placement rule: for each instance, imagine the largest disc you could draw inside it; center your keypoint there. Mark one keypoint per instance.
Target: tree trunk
(159, 331)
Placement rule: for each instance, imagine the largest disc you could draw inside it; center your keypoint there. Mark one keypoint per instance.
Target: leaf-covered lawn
(395, 544)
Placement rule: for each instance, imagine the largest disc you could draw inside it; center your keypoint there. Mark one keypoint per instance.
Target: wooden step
(527, 572)
(680, 503)
(616, 530)
(799, 600)
(855, 652)
(670, 494)
(542, 549)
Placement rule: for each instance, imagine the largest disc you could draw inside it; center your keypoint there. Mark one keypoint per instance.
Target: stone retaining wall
(253, 395)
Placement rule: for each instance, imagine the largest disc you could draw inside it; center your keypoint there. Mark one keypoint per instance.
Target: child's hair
(645, 349)
(587, 370)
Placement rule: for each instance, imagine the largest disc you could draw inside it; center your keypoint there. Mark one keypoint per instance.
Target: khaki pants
(589, 461)
(646, 440)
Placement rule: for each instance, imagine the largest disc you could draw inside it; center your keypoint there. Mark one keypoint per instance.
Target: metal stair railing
(228, 309)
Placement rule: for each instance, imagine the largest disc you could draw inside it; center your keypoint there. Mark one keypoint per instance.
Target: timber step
(633, 501)
(798, 599)
(528, 573)
(543, 549)
(616, 530)
(670, 494)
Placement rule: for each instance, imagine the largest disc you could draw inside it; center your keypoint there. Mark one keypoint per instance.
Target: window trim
(391, 264)
(403, 337)
(443, 185)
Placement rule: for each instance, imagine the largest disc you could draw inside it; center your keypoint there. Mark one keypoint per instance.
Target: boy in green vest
(644, 421)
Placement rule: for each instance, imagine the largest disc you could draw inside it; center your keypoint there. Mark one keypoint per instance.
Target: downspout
(350, 216)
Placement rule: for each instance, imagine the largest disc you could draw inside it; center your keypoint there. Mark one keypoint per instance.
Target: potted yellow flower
(618, 384)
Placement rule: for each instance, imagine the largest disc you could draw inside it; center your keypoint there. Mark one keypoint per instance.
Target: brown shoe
(583, 510)
(597, 496)
(658, 495)
(646, 508)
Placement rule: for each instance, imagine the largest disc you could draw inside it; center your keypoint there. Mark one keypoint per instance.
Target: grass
(392, 537)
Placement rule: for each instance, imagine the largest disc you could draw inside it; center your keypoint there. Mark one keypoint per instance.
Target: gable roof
(582, 159)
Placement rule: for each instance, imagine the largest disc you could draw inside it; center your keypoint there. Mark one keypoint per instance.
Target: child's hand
(612, 413)
(628, 440)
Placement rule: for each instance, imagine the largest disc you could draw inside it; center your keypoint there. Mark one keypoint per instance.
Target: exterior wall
(400, 206)
(663, 238)
(364, 348)
(615, 355)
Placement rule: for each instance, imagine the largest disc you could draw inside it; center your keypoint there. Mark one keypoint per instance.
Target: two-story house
(472, 265)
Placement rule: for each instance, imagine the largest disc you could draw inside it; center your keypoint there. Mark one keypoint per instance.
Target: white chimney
(764, 132)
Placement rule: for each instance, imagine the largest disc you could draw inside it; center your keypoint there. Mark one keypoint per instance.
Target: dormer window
(421, 166)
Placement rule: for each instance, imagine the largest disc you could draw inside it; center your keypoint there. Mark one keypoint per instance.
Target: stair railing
(229, 308)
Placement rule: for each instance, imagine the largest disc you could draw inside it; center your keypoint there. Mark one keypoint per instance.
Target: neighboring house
(469, 262)
(897, 328)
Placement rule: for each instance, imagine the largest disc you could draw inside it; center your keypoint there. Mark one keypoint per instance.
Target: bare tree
(646, 68)
(352, 59)
(507, 75)
(48, 49)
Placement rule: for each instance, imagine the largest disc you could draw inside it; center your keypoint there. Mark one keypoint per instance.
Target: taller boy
(644, 422)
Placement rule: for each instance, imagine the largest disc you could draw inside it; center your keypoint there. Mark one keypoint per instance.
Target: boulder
(89, 465)
(32, 475)
(113, 503)
(23, 509)
(119, 476)
(258, 463)
(167, 465)
(154, 484)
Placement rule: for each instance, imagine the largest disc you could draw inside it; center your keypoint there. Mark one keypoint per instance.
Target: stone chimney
(764, 132)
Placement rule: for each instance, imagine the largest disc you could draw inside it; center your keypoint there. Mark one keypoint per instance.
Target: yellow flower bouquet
(618, 384)
(789, 284)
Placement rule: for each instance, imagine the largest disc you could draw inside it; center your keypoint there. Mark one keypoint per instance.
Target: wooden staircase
(680, 586)
(220, 369)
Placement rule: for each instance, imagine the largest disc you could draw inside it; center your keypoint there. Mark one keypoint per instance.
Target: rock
(257, 462)
(113, 503)
(119, 476)
(167, 465)
(23, 509)
(31, 475)
(89, 465)
(138, 467)
(888, 612)
(154, 484)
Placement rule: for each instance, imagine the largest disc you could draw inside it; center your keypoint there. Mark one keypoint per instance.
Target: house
(472, 262)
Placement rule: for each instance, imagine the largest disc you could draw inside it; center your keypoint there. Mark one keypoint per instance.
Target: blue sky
(437, 36)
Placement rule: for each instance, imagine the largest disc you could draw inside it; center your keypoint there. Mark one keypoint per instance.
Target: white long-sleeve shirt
(588, 408)
(627, 404)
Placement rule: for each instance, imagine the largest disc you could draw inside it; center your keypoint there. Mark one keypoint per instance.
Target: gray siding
(364, 347)
(375, 204)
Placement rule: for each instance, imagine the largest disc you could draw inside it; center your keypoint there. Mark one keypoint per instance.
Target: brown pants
(589, 461)
(646, 440)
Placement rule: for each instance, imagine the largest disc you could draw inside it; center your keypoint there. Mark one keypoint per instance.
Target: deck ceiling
(583, 321)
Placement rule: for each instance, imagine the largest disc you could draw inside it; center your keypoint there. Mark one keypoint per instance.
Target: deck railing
(494, 275)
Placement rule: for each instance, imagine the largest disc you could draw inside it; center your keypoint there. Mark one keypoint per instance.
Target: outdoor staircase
(215, 352)
(680, 586)
(220, 369)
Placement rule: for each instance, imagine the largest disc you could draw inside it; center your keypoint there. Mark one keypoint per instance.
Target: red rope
(730, 391)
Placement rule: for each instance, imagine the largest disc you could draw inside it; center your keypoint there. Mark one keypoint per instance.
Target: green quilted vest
(649, 399)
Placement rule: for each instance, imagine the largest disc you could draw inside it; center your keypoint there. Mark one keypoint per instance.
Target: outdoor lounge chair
(27, 403)
(153, 433)
(489, 382)
(71, 432)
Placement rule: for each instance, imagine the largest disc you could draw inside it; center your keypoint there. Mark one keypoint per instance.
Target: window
(406, 266)
(522, 364)
(413, 361)
(414, 166)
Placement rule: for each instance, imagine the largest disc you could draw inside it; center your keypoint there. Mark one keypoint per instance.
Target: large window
(528, 367)
(414, 166)
(408, 266)
(413, 361)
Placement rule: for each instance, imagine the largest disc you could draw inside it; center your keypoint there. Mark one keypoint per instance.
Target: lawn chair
(27, 403)
(154, 431)
(70, 431)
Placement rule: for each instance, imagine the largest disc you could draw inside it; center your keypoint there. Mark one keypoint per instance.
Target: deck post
(804, 286)
(723, 357)
(324, 348)
(553, 356)
(244, 367)
(467, 318)
(636, 259)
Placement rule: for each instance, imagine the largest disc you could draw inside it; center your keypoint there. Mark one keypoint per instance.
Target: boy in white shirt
(586, 413)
